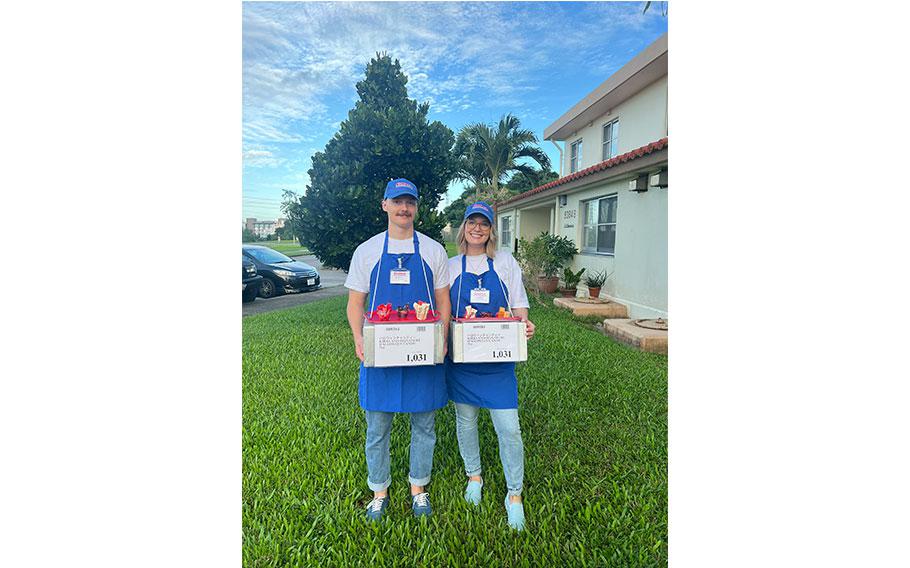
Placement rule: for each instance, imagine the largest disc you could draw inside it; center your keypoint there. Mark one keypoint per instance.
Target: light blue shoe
(473, 493)
(376, 508)
(516, 512)
(420, 503)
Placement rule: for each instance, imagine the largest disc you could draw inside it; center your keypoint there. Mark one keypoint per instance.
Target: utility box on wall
(659, 179)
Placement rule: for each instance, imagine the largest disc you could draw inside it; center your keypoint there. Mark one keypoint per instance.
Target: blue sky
(473, 61)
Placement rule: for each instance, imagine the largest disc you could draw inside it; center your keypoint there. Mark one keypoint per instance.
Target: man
(399, 266)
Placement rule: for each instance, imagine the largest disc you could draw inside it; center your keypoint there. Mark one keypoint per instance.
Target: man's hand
(444, 307)
(355, 319)
(358, 347)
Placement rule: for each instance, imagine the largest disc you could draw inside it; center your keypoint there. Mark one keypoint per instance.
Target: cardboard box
(489, 341)
(402, 343)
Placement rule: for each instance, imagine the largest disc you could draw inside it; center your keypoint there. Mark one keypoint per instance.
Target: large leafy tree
(386, 136)
(487, 155)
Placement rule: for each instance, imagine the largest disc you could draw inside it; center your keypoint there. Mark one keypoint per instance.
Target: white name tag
(400, 276)
(480, 296)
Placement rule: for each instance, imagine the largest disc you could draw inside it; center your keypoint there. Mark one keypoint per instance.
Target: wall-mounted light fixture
(639, 184)
(562, 200)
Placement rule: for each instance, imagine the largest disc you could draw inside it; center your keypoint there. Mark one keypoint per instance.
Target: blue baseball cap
(479, 207)
(399, 187)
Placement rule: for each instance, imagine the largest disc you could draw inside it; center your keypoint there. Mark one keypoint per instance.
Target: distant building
(263, 229)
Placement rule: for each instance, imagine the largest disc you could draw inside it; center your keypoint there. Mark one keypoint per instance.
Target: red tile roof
(622, 158)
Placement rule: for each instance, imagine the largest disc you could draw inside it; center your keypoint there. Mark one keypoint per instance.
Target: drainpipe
(553, 142)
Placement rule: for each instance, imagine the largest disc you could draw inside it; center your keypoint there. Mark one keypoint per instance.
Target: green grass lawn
(452, 250)
(594, 421)
(290, 248)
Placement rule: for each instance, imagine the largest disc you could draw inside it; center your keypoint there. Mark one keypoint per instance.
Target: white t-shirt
(505, 266)
(368, 253)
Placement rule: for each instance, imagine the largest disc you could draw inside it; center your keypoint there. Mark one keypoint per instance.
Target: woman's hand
(531, 326)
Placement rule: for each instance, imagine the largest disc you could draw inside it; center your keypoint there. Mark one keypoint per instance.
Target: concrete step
(625, 331)
(605, 309)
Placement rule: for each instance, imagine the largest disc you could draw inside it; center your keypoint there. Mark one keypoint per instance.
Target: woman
(486, 281)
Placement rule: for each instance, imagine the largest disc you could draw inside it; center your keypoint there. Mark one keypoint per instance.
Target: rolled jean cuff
(419, 482)
(513, 492)
(380, 486)
(476, 472)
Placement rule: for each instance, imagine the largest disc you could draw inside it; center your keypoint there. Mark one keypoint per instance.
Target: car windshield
(268, 256)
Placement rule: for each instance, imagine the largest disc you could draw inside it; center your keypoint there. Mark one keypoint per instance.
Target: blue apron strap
(460, 282)
(423, 265)
(385, 249)
(501, 285)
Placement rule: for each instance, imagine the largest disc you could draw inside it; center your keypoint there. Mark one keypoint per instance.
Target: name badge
(400, 276)
(480, 296)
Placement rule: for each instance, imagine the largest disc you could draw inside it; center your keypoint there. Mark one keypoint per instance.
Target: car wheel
(249, 294)
(268, 289)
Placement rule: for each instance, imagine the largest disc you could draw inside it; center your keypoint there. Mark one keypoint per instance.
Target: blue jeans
(511, 448)
(423, 440)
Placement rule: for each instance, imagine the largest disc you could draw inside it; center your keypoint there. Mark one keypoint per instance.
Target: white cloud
(301, 61)
(297, 55)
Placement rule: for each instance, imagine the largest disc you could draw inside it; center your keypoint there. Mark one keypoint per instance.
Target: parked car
(280, 273)
(251, 280)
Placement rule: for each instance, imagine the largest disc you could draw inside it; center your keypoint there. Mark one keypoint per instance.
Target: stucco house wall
(642, 120)
(637, 95)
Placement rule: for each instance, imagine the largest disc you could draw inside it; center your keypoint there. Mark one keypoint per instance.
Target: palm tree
(486, 155)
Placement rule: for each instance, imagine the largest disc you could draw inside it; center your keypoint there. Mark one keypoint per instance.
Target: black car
(279, 272)
(251, 280)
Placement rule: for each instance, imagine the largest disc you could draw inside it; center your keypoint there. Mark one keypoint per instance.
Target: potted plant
(543, 257)
(571, 280)
(594, 282)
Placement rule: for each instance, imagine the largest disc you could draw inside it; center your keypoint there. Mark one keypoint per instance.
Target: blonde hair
(462, 242)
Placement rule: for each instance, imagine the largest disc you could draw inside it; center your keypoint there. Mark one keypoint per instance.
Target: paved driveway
(332, 285)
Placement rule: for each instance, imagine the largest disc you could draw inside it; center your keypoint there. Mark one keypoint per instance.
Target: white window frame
(613, 140)
(584, 224)
(503, 241)
(577, 148)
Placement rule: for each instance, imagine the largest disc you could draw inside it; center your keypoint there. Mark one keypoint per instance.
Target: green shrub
(571, 279)
(596, 279)
(545, 254)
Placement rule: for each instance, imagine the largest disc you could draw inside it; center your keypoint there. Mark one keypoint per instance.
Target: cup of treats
(422, 308)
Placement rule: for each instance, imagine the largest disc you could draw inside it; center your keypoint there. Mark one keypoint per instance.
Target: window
(575, 156)
(611, 139)
(600, 225)
(506, 240)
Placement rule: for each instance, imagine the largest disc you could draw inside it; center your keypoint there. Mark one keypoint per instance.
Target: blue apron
(488, 385)
(402, 389)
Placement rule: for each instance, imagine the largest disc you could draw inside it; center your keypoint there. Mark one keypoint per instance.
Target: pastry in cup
(384, 311)
(422, 308)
